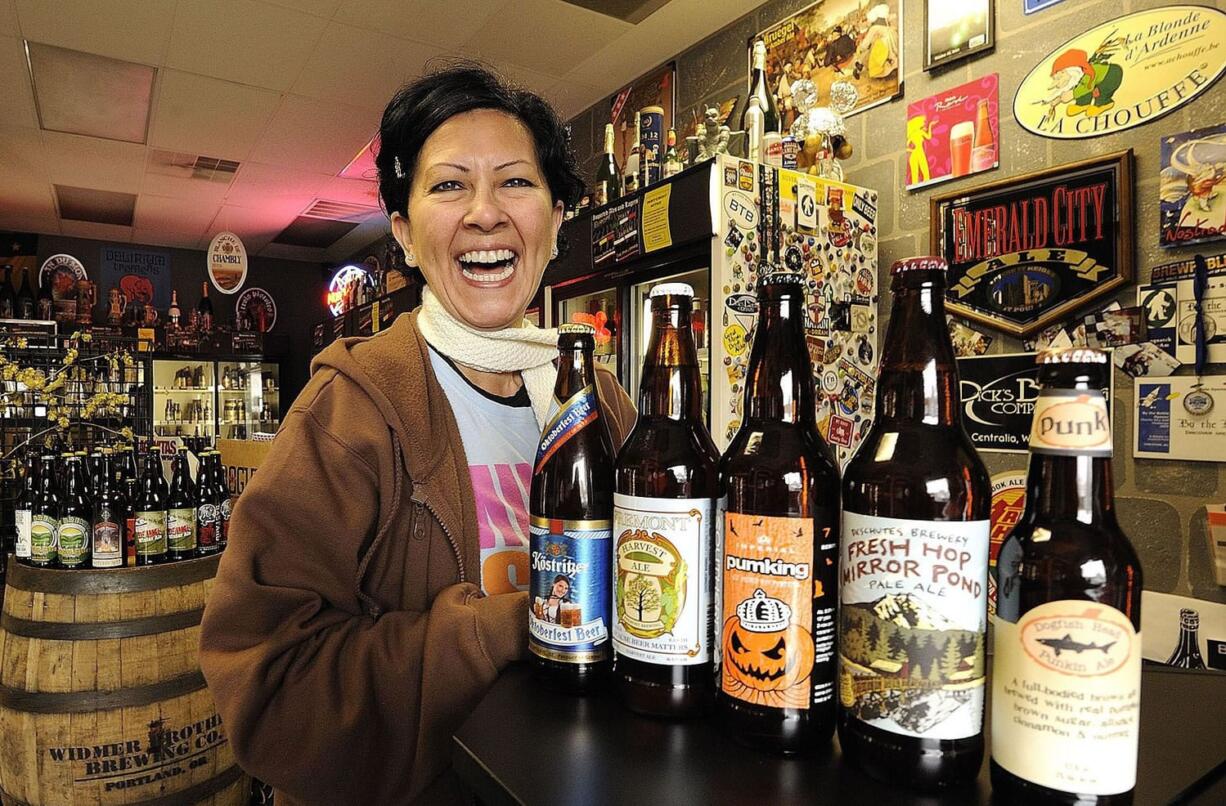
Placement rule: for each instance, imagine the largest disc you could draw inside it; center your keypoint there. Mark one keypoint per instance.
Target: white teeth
(487, 256)
(489, 276)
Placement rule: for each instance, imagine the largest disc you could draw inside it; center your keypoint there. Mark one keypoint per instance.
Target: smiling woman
(374, 583)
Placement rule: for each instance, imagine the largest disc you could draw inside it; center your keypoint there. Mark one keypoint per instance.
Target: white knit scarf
(527, 349)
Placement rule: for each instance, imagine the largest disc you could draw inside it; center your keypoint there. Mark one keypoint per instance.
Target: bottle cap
(928, 263)
(672, 290)
(576, 328)
(1072, 355)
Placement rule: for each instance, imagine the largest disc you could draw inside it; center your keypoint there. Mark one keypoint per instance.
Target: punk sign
(998, 393)
(1027, 251)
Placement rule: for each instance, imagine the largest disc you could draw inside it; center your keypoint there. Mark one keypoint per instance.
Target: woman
(371, 591)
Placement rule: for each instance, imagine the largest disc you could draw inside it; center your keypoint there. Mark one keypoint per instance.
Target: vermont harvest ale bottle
(208, 513)
(571, 512)
(780, 539)
(181, 512)
(76, 512)
(913, 559)
(150, 512)
(108, 528)
(663, 527)
(1068, 609)
(45, 515)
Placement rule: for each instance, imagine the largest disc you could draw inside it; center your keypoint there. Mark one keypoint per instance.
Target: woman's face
(561, 588)
(481, 220)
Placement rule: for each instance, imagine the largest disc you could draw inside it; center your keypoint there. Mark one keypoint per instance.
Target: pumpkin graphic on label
(766, 658)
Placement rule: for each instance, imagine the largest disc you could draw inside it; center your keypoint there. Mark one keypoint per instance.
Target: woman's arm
(319, 700)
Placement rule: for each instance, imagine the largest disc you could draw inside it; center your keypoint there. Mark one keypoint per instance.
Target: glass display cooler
(207, 399)
(710, 227)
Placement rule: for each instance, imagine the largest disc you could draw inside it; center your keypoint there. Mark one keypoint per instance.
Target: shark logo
(1067, 644)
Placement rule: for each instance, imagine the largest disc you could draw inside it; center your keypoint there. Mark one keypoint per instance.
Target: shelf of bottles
(249, 399)
(183, 399)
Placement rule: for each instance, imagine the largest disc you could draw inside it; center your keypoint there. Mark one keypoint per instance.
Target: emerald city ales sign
(1123, 73)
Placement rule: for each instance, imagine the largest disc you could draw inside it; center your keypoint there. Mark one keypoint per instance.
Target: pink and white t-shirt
(500, 437)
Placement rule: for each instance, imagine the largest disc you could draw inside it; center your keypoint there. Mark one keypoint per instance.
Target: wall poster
(1028, 251)
(141, 275)
(836, 40)
(955, 31)
(954, 134)
(1192, 193)
(1125, 72)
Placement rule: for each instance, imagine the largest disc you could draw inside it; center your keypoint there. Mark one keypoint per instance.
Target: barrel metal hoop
(99, 630)
(77, 702)
(193, 794)
(110, 580)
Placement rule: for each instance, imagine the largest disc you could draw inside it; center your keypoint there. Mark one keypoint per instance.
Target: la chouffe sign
(1028, 251)
(1123, 73)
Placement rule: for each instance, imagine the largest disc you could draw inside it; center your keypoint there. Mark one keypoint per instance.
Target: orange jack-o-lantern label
(778, 610)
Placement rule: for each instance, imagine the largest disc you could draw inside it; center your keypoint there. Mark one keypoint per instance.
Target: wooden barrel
(101, 696)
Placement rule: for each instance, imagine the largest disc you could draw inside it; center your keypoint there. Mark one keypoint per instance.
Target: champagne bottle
(759, 89)
(608, 181)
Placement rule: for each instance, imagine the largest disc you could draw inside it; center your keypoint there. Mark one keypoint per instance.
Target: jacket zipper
(455, 546)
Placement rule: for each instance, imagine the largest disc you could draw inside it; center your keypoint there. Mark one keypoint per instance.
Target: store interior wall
(298, 287)
(1160, 504)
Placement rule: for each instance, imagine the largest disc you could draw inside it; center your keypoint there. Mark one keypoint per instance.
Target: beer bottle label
(1071, 422)
(150, 533)
(108, 541)
(73, 537)
(662, 581)
(181, 529)
(21, 547)
(43, 530)
(569, 617)
(1066, 697)
(206, 526)
(912, 621)
(775, 576)
(566, 418)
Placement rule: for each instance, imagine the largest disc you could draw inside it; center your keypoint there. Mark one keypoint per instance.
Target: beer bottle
(1187, 651)
(913, 559)
(150, 512)
(207, 511)
(780, 539)
(24, 509)
(181, 511)
(129, 480)
(664, 528)
(108, 528)
(45, 515)
(1068, 607)
(571, 508)
(87, 483)
(76, 512)
(224, 504)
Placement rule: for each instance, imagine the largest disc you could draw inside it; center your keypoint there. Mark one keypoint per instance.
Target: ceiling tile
(16, 96)
(94, 163)
(84, 93)
(158, 181)
(287, 252)
(22, 157)
(528, 79)
(157, 236)
(366, 233)
(369, 81)
(260, 185)
(208, 116)
(442, 24)
(316, 136)
(569, 98)
(541, 34)
(99, 232)
(353, 191)
(16, 222)
(244, 41)
(27, 198)
(178, 215)
(133, 30)
(320, 8)
(255, 225)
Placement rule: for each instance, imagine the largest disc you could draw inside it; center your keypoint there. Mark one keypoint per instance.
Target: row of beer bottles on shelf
(79, 511)
(792, 598)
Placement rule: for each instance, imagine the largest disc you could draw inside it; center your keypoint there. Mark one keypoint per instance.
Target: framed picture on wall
(835, 40)
(1028, 251)
(1191, 201)
(956, 30)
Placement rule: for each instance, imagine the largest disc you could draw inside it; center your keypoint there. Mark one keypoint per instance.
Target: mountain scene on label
(906, 662)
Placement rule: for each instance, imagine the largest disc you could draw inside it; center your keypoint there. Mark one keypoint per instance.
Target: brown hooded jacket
(346, 636)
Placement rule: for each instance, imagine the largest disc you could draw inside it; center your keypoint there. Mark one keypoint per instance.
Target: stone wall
(1161, 504)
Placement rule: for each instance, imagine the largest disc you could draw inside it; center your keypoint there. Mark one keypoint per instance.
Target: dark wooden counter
(526, 745)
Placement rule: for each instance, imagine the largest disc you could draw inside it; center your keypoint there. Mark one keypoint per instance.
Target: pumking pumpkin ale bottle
(913, 559)
(780, 540)
(1068, 610)
(664, 527)
(571, 508)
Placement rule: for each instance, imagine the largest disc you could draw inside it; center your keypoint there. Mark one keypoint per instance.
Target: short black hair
(455, 87)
